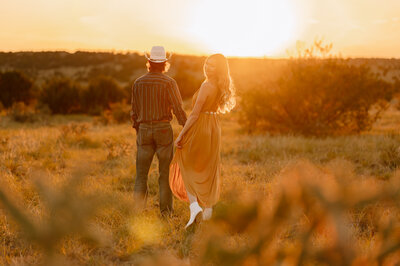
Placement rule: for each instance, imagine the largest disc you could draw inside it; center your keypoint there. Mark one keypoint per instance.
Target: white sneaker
(195, 209)
(207, 213)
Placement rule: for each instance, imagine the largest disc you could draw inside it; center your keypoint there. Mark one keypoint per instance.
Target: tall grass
(66, 197)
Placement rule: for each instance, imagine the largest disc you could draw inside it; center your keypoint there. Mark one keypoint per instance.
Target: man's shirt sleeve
(133, 108)
(176, 101)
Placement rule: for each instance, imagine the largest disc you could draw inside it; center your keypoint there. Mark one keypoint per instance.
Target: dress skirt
(196, 166)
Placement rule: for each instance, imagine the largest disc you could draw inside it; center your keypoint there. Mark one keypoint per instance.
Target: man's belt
(155, 121)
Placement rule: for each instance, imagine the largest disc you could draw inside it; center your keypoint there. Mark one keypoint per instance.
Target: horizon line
(126, 51)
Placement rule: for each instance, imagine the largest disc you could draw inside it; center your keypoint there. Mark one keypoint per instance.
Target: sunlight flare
(237, 28)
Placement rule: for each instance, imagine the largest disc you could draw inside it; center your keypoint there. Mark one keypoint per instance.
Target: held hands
(178, 141)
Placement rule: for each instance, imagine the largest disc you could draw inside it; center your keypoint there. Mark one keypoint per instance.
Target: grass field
(94, 221)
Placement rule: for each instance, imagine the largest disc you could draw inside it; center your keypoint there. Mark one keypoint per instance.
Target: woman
(195, 168)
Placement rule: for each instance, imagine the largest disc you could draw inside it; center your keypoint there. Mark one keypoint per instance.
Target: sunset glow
(236, 27)
(256, 28)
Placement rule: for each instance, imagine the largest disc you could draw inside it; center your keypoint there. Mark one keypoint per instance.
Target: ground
(48, 154)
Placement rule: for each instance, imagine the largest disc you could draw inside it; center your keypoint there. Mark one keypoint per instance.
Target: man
(154, 95)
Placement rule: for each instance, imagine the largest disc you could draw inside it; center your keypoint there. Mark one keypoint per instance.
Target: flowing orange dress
(196, 166)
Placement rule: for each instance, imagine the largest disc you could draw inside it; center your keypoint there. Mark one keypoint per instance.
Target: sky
(271, 28)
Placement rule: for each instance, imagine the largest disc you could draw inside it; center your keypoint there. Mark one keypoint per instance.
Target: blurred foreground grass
(66, 197)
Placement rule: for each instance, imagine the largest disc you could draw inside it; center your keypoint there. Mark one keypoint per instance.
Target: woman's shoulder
(207, 86)
(205, 89)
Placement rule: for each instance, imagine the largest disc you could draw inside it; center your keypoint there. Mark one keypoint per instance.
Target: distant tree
(100, 93)
(129, 65)
(15, 87)
(100, 71)
(317, 96)
(188, 73)
(188, 82)
(61, 95)
(397, 83)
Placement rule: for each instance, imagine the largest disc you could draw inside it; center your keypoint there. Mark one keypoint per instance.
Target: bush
(15, 87)
(317, 97)
(101, 92)
(118, 113)
(61, 95)
(20, 112)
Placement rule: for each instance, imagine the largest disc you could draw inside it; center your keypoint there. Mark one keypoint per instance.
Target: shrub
(101, 92)
(118, 113)
(74, 130)
(116, 149)
(61, 95)
(104, 119)
(316, 97)
(15, 87)
(20, 112)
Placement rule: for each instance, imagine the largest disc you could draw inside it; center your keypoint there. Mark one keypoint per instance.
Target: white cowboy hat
(157, 55)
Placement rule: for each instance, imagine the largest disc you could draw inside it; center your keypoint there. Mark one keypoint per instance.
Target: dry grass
(67, 198)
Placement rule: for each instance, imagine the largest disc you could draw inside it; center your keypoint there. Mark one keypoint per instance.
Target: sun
(243, 28)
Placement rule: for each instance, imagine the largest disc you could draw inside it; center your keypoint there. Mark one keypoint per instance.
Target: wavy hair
(222, 78)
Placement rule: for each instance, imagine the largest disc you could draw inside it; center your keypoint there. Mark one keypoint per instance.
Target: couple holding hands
(192, 174)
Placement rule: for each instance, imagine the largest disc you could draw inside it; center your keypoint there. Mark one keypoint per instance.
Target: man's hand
(178, 141)
(135, 125)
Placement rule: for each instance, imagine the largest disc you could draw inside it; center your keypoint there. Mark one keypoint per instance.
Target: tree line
(313, 94)
(61, 94)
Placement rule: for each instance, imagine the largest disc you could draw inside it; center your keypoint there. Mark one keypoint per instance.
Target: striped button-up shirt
(154, 95)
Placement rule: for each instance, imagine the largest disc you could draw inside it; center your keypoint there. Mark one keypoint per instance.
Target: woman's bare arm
(194, 115)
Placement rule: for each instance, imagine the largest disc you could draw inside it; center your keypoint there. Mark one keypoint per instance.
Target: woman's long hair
(222, 79)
